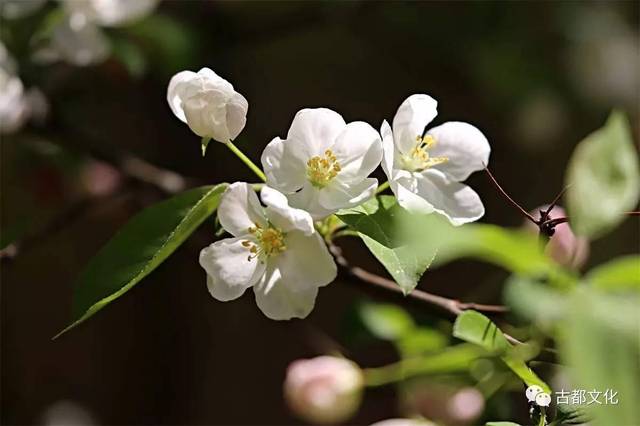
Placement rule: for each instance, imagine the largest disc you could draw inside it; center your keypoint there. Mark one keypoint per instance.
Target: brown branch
(451, 305)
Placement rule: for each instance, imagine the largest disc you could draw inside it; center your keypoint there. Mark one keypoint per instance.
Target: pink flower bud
(100, 179)
(324, 389)
(564, 246)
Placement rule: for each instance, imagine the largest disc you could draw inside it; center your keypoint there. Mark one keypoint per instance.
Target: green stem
(345, 233)
(382, 187)
(449, 360)
(246, 160)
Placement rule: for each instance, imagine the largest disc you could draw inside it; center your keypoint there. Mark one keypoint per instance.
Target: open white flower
(425, 169)
(275, 250)
(323, 164)
(208, 104)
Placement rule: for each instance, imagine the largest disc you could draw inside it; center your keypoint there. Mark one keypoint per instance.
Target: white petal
(286, 173)
(306, 262)
(206, 114)
(240, 209)
(388, 149)
(465, 146)
(358, 149)
(176, 90)
(405, 188)
(338, 195)
(282, 215)
(314, 131)
(237, 108)
(458, 202)
(411, 119)
(227, 262)
(307, 200)
(278, 302)
(223, 292)
(212, 80)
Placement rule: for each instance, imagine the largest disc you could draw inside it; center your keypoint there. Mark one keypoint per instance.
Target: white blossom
(208, 104)
(14, 109)
(107, 13)
(425, 169)
(274, 249)
(324, 163)
(325, 389)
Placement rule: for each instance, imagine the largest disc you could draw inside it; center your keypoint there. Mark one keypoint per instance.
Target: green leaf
(601, 343)
(604, 178)
(420, 341)
(619, 274)
(514, 250)
(476, 328)
(536, 302)
(569, 414)
(385, 321)
(139, 247)
(377, 222)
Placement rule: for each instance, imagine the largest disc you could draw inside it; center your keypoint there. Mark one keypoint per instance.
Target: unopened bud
(324, 389)
(564, 246)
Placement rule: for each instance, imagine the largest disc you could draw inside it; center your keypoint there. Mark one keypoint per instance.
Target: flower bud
(324, 389)
(208, 104)
(564, 246)
(403, 422)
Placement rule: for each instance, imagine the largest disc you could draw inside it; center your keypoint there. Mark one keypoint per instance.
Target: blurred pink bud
(324, 389)
(100, 179)
(564, 246)
(403, 422)
(447, 404)
(465, 406)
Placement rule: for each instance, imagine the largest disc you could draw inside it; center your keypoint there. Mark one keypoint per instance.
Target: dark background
(536, 77)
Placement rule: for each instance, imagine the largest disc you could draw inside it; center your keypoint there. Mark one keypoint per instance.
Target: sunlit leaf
(377, 224)
(385, 321)
(601, 343)
(604, 178)
(420, 341)
(139, 247)
(622, 273)
(476, 328)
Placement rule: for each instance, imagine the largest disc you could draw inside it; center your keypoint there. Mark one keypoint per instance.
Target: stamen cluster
(321, 170)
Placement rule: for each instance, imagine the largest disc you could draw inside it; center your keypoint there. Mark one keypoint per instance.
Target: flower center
(321, 170)
(270, 241)
(418, 159)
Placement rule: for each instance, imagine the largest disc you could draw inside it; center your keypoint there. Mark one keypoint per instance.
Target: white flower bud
(208, 104)
(325, 389)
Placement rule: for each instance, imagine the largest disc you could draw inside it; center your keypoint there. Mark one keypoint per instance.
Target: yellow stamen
(269, 242)
(418, 158)
(321, 170)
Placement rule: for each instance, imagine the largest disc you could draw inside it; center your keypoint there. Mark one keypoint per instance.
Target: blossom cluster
(323, 165)
(76, 33)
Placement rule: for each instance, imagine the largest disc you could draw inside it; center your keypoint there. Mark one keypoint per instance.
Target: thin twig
(451, 305)
(511, 200)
